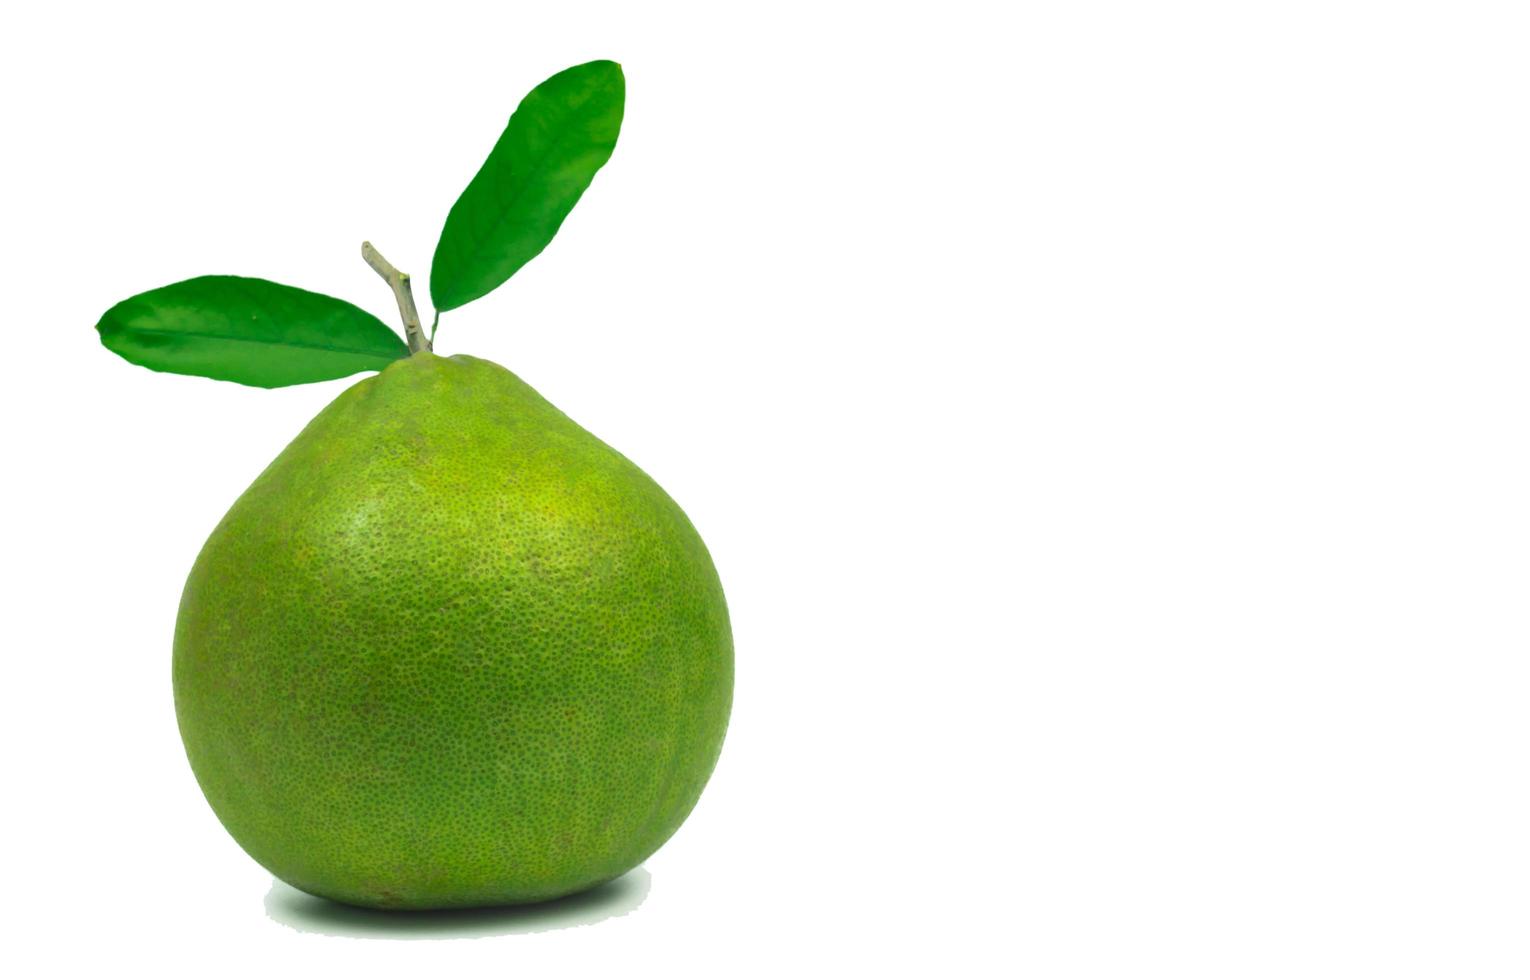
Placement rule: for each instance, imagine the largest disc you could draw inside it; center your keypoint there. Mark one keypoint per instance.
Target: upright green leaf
(562, 132)
(252, 331)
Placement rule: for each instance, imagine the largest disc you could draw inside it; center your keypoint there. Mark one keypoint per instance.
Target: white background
(1109, 421)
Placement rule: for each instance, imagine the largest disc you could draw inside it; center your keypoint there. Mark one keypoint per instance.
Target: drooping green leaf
(252, 331)
(561, 133)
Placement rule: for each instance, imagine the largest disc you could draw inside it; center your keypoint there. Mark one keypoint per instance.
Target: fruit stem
(399, 281)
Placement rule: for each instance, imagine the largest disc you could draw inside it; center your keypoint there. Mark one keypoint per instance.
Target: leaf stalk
(414, 333)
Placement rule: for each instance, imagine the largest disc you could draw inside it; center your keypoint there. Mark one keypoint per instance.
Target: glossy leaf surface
(251, 331)
(560, 135)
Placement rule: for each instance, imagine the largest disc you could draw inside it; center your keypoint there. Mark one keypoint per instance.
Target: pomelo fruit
(451, 650)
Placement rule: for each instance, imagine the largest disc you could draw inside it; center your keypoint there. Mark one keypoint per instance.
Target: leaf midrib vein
(252, 340)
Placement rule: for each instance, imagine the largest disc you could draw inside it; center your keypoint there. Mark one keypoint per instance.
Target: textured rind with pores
(451, 650)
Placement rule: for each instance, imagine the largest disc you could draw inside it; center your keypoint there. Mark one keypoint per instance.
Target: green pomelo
(451, 650)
